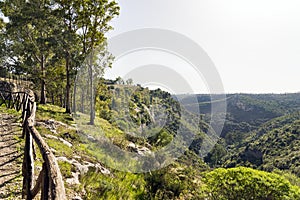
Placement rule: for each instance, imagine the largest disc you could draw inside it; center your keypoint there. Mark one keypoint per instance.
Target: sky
(254, 44)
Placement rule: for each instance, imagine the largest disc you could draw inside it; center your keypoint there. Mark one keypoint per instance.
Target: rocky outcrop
(52, 125)
(138, 149)
(58, 138)
(82, 168)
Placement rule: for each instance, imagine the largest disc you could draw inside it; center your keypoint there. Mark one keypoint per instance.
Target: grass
(94, 183)
(122, 186)
(118, 185)
(48, 111)
(102, 128)
(4, 109)
(61, 149)
(66, 169)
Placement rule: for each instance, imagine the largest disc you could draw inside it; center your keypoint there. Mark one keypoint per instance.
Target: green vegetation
(245, 112)
(272, 146)
(245, 183)
(275, 145)
(65, 169)
(180, 178)
(53, 41)
(121, 186)
(3, 109)
(45, 112)
(188, 177)
(49, 41)
(248, 117)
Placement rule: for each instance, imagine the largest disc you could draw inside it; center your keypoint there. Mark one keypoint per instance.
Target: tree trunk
(82, 100)
(61, 100)
(52, 99)
(92, 108)
(68, 85)
(43, 84)
(63, 94)
(74, 96)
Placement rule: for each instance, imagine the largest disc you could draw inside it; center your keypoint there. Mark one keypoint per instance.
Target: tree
(89, 20)
(68, 42)
(90, 74)
(3, 49)
(214, 157)
(93, 22)
(129, 81)
(31, 29)
(42, 32)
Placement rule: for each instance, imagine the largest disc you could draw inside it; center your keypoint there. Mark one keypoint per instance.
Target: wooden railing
(49, 180)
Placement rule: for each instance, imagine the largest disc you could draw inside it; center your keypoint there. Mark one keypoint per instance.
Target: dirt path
(10, 158)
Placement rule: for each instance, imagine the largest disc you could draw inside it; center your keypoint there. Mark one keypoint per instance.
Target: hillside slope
(275, 145)
(142, 122)
(245, 112)
(87, 176)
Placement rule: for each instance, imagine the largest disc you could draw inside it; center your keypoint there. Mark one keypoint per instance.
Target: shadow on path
(10, 158)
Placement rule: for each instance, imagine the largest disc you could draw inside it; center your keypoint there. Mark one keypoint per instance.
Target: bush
(245, 183)
(66, 169)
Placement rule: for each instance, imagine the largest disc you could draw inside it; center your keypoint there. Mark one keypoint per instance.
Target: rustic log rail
(49, 180)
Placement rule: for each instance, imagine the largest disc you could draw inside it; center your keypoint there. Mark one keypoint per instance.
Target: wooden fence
(49, 180)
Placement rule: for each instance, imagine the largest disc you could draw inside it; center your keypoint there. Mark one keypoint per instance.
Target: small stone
(77, 198)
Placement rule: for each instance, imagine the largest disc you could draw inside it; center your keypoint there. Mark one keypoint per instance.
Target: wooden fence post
(28, 168)
(45, 183)
(50, 179)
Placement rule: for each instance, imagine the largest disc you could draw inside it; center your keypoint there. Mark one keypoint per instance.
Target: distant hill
(245, 112)
(260, 130)
(274, 145)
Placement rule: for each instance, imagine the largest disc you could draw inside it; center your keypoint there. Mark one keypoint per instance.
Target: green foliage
(275, 145)
(245, 183)
(48, 111)
(122, 186)
(49, 40)
(133, 110)
(248, 118)
(104, 101)
(292, 178)
(3, 109)
(161, 138)
(65, 169)
(214, 158)
(176, 181)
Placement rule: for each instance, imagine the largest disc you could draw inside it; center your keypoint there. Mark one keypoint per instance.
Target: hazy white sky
(255, 44)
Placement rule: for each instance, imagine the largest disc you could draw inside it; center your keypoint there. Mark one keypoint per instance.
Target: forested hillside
(114, 139)
(135, 110)
(246, 112)
(149, 127)
(274, 145)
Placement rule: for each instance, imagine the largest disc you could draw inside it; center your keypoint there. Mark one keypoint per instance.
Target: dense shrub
(246, 183)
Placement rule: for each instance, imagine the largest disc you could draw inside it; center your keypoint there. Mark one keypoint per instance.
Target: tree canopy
(50, 39)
